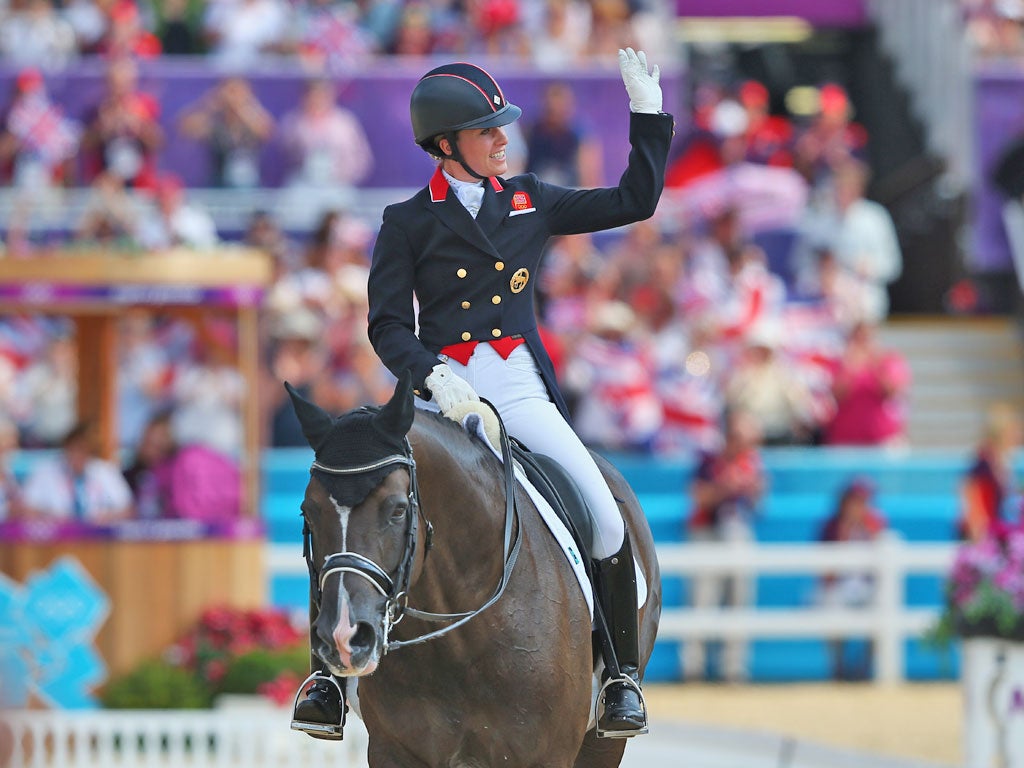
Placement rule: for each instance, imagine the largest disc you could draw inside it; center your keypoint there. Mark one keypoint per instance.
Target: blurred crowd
(548, 34)
(995, 28)
(757, 286)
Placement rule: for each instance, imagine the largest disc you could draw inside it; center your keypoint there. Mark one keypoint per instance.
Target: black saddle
(563, 494)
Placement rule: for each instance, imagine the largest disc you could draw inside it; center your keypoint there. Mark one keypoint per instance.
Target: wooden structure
(158, 586)
(95, 289)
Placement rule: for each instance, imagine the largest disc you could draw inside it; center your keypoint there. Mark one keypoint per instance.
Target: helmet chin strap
(456, 155)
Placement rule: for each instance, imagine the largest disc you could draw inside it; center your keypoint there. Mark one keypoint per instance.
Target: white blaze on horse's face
(346, 628)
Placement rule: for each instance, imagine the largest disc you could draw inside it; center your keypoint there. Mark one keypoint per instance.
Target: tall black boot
(625, 713)
(321, 714)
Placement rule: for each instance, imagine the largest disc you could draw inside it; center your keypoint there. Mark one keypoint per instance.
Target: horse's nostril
(364, 636)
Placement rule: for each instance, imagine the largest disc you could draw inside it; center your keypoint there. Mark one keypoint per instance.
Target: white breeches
(515, 388)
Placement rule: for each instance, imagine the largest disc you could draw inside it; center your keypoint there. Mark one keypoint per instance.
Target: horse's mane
(452, 435)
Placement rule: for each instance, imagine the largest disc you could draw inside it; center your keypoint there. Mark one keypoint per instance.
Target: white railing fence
(887, 620)
(217, 738)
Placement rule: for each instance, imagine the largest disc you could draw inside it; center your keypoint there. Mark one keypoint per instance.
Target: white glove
(642, 87)
(448, 389)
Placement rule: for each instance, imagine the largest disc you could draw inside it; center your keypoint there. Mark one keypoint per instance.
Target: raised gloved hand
(641, 85)
(448, 389)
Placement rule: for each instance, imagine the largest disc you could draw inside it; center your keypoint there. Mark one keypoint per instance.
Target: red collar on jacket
(439, 186)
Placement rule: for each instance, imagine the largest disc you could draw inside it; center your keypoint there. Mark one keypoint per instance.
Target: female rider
(468, 246)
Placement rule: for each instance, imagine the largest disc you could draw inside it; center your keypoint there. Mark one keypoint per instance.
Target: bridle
(395, 589)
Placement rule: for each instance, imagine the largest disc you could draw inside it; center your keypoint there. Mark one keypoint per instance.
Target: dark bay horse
(510, 685)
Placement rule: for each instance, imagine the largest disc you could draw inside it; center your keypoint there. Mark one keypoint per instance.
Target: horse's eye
(398, 511)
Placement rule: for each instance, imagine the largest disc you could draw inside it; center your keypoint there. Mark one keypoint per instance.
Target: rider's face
(483, 150)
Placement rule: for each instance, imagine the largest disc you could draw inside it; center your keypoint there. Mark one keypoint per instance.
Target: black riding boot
(322, 713)
(625, 713)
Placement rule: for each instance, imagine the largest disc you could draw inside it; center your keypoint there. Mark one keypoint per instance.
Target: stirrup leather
(320, 730)
(603, 733)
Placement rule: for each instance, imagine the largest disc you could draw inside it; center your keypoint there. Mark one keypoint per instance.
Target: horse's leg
(600, 753)
(389, 754)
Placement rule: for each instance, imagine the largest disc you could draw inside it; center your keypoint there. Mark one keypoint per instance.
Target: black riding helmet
(454, 97)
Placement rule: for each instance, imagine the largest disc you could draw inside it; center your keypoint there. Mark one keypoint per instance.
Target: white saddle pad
(473, 423)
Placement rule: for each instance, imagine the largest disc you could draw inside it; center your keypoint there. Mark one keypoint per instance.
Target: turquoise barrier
(917, 492)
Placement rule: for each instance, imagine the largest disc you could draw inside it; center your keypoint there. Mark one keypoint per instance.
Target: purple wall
(998, 119)
(821, 13)
(379, 95)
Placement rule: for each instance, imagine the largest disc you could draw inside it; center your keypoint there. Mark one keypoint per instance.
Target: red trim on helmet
(467, 80)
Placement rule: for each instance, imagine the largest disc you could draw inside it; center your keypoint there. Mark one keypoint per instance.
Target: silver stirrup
(608, 734)
(321, 730)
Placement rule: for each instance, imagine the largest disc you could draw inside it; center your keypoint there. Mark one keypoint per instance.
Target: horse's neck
(463, 497)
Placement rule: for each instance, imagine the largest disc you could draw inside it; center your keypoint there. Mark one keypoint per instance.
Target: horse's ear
(316, 422)
(395, 418)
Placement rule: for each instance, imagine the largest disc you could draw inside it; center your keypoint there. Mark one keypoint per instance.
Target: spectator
(33, 34)
(559, 149)
(768, 137)
(123, 134)
(997, 29)
(328, 151)
(12, 505)
(145, 476)
(766, 386)
(989, 488)
(831, 138)
(265, 234)
(611, 25)
(46, 393)
(328, 36)
(173, 221)
(240, 33)
(38, 143)
(862, 236)
(569, 269)
(296, 354)
(233, 125)
(609, 374)
(77, 484)
(496, 28)
(144, 374)
(89, 22)
(111, 215)
(414, 33)
(869, 387)
(726, 492)
(854, 519)
(178, 27)
(126, 37)
(209, 392)
(560, 38)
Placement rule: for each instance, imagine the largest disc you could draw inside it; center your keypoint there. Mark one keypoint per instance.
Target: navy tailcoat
(474, 279)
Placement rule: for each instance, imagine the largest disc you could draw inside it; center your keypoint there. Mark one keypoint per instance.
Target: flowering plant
(224, 634)
(985, 591)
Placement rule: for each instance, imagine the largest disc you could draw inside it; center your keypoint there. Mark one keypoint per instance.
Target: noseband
(395, 588)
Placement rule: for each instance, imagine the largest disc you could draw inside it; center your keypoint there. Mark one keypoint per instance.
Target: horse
(407, 511)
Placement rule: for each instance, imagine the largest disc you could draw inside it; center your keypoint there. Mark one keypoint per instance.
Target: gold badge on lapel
(519, 280)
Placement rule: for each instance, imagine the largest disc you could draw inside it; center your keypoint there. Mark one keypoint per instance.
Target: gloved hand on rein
(447, 389)
(641, 85)
(457, 400)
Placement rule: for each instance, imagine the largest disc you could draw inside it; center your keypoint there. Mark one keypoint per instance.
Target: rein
(395, 589)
